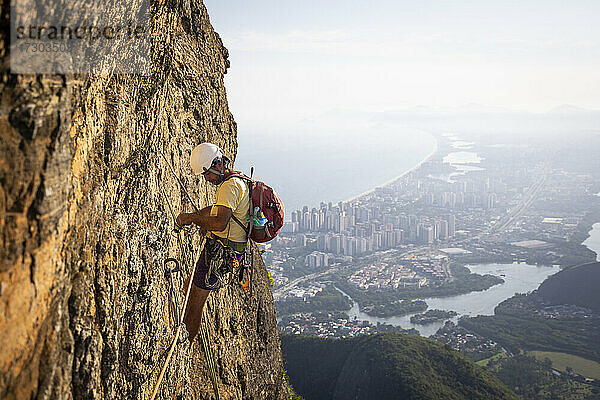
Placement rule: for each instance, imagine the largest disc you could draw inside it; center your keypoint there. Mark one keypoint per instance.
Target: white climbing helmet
(203, 156)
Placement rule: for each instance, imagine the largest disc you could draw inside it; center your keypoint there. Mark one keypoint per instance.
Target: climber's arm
(206, 220)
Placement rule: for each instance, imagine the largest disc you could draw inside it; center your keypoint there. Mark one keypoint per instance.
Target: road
(514, 213)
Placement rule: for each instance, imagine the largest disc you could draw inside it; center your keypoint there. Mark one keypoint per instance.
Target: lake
(519, 278)
(461, 160)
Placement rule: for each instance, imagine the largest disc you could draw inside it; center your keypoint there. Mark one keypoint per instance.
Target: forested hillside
(577, 285)
(385, 366)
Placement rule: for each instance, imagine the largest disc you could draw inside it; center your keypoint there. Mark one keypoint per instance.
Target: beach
(307, 170)
(389, 182)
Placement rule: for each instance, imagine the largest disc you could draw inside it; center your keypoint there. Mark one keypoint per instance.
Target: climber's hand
(184, 219)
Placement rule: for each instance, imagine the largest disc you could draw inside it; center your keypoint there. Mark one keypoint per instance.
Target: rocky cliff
(84, 229)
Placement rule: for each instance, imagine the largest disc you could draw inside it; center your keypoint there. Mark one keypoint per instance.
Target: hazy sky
(299, 58)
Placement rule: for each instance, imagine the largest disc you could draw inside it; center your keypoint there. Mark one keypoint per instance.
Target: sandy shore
(435, 149)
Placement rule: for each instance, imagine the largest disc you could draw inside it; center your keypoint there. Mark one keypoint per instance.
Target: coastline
(435, 150)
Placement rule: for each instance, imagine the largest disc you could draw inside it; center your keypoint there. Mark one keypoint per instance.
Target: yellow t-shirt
(235, 195)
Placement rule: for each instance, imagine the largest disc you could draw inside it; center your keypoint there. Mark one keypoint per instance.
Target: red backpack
(264, 197)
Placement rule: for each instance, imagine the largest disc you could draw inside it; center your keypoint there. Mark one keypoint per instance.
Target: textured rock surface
(84, 229)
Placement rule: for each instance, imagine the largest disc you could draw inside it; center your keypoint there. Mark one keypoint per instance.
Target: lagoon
(518, 277)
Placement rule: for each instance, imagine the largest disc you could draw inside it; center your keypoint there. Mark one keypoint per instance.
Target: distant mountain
(385, 366)
(577, 285)
(567, 109)
(473, 122)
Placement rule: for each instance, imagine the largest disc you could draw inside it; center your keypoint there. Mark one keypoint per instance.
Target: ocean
(322, 164)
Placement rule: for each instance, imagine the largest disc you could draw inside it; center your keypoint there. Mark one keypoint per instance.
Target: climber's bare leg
(193, 313)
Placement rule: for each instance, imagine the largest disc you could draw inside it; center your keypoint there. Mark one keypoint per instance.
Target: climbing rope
(178, 315)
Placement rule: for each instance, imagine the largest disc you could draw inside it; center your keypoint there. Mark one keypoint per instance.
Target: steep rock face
(84, 229)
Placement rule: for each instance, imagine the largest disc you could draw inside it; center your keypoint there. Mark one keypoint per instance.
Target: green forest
(385, 366)
(516, 326)
(327, 300)
(534, 380)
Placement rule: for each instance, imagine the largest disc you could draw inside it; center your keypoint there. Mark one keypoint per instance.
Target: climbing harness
(221, 260)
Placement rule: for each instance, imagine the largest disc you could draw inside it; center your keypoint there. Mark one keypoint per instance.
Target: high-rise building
(328, 222)
(451, 225)
(336, 223)
(404, 223)
(289, 227)
(300, 241)
(322, 243)
(491, 200)
(436, 229)
(314, 220)
(316, 259)
(334, 245)
(443, 230)
(398, 237)
(377, 240)
(426, 234)
(451, 199)
(343, 221)
(388, 239)
(349, 249)
(413, 220)
(306, 221)
(362, 246)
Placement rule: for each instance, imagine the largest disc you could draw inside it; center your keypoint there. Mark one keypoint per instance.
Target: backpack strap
(245, 228)
(248, 180)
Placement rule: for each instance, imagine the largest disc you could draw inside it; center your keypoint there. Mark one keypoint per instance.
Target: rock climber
(223, 223)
